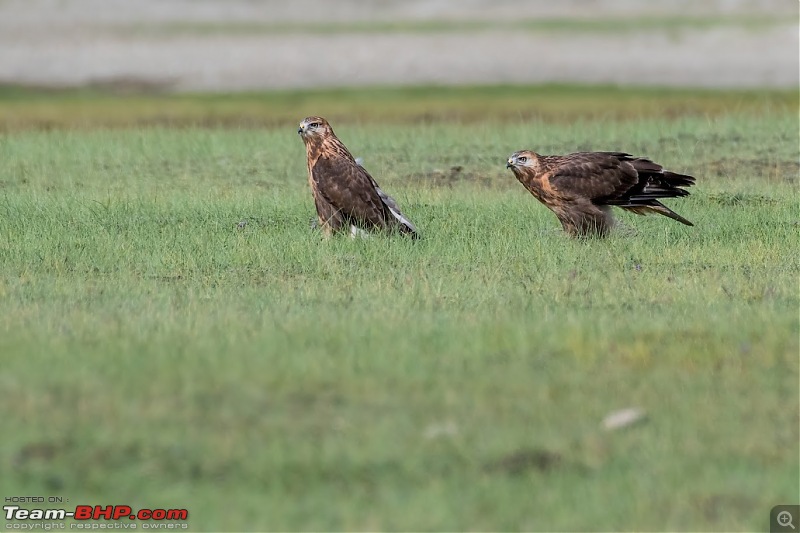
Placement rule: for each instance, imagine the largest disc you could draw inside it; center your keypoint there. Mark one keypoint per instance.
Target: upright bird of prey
(580, 188)
(346, 196)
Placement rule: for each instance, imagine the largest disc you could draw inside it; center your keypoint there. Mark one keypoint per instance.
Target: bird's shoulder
(343, 182)
(583, 162)
(590, 174)
(334, 162)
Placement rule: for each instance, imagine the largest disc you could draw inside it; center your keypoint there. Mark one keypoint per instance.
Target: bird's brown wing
(400, 220)
(616, 178)
(346, 186)
(599, 177)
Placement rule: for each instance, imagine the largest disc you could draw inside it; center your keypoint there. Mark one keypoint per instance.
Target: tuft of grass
(158, 352)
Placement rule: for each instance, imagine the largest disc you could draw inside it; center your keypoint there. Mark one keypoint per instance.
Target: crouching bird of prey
(580, 188)
(346, 196)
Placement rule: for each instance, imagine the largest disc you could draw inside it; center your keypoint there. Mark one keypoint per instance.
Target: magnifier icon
(784, 518)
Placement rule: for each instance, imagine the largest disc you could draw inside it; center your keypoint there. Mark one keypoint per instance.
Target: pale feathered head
(522, 158)
(314, 127)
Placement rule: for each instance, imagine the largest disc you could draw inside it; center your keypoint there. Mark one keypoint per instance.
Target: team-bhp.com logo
(87, 515)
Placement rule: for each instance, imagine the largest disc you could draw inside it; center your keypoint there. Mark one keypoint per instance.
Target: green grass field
(157, 354)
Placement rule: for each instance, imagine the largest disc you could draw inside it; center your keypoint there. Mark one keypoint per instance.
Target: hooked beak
(509, 164)
(300, 130)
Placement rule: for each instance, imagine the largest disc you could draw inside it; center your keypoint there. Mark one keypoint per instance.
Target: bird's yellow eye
(314, 125)
(522, 159)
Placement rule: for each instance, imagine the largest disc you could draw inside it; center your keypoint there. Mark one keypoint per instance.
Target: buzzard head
(523, 158)
(314, 127)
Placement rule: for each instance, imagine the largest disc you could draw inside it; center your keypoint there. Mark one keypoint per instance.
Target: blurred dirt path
(80, 42)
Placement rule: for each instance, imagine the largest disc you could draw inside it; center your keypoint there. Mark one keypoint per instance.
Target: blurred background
(173, 334)
(236, 45)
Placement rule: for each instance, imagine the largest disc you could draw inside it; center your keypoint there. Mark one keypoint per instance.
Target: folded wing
(619, 179)
(348, 187)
